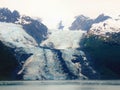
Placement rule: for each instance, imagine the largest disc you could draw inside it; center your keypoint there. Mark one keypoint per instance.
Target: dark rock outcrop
(7, 16)
(8, 63)
(81, 23)
(34, 28)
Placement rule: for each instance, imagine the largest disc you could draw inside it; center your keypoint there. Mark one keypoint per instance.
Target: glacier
(63, 39)
(41, 62)
(14, 33)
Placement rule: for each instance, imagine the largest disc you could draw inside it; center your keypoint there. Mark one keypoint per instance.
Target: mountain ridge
(82, 22)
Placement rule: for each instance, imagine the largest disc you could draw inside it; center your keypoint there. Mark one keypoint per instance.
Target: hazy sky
(52, 11)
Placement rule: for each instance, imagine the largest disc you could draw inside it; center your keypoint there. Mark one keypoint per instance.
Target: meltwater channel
(60, 85)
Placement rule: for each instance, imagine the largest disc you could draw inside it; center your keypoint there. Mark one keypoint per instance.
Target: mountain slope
(102, 45)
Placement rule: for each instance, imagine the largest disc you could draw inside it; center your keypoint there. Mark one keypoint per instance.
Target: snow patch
(108, 26)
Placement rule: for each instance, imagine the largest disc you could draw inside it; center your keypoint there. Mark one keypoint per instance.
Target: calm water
(60, 85)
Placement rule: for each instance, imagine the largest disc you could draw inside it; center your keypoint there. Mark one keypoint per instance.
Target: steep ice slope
(47, 64)
(50, 65)
(15, 35)
(63, 39)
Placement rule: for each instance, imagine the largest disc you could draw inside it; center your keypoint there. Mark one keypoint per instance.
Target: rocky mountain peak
(102, 17)
(82, 22)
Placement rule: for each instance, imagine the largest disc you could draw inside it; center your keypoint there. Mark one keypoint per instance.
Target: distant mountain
(32, 26)
(7, 16)
(60, 25)
(81, 23)
(84, 23)
(101, 18)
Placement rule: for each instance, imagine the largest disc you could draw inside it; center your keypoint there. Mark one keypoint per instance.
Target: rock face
(101, 18)
(34, 28)
(81, 23)
(7, 16)
(84, 23)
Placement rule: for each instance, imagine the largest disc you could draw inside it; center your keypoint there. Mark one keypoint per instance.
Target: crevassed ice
(63, 39)
(13, 33)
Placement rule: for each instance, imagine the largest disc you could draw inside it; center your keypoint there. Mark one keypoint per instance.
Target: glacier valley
(88, 49)
(56, 58)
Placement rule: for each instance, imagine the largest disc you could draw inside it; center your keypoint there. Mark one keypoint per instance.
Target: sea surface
(60, 85)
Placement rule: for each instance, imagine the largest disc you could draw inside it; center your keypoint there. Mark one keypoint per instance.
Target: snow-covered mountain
(107, 27)
(102, 43)
(108, 30)
(84, 23)
(32, 26)
(29, 51)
